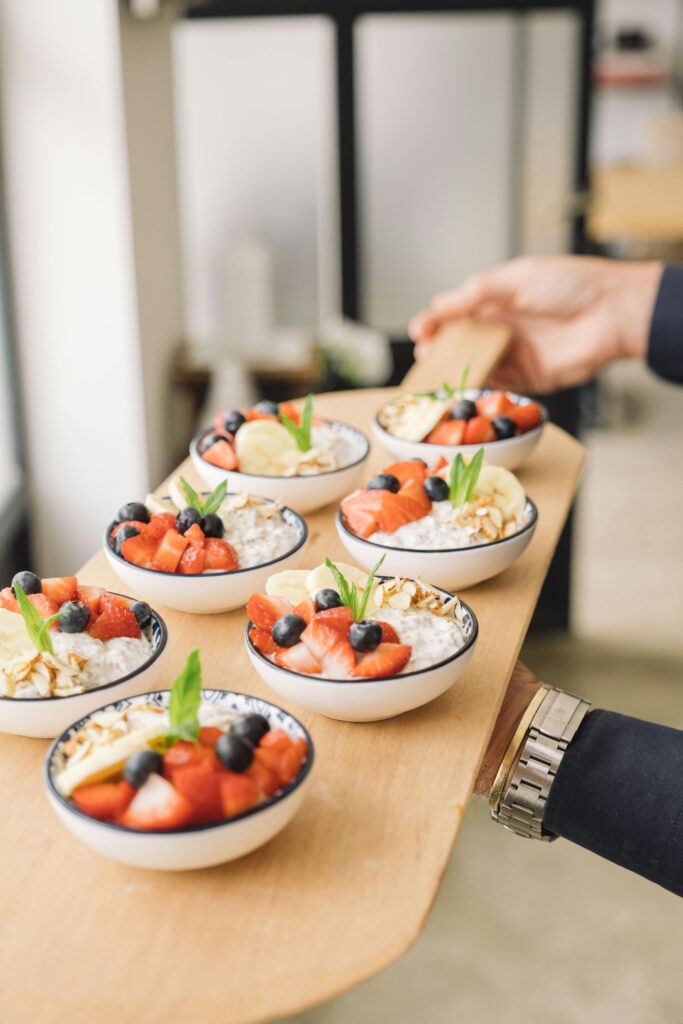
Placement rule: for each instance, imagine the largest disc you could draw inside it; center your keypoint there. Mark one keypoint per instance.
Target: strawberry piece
(290, 410)
(389, 634)
(269, 758)
(289, 762)
(140, 527)
(306, 609)
(8, 600)
(195, 534)
(90, 596)
(192, 560)
(479, 430)
(360, 510)
(299, 658)
(397, 510)
(103, 800)
(525, 417)
(208, 735)
(108, 600)
(169, 551)
(254, 414)
(219, 424)
(414, 489)
(440, 463)
(140, 550)
(221, 454)
(448, 432)
(265, 778)
(60, 589)
(220, 555)
(262, 640)
(238, 791)
(113, 622)
(200, 785)
(340, 662)
(385, 660)
(44, 605)
(159, 524)
(341, 618)
(494, 404)
(275, 739)
(157, 805)
(415, 469)
(184, 753)
(263, 610)
(319, 637)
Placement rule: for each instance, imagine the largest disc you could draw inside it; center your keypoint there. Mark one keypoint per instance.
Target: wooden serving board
(339, 895)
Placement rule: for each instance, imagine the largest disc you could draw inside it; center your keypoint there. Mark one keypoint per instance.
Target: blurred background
(206, 203)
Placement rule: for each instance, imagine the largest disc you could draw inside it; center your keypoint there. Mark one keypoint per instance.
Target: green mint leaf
(472, 473)
(186, 696)
(463, 478)
(191, 497)
(302, 432)
(462, 385)
(36, 626)
(425, 394)
(450, 393)
(368, 587)
(342, 584)
(215, 499)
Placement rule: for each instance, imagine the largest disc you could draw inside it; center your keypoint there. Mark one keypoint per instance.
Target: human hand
(521, 689)
(569, 316)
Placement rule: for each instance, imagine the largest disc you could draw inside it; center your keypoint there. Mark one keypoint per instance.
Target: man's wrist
(521, 691)
(632, 301)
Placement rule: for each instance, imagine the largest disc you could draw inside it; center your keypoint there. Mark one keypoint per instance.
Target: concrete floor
(523, 930)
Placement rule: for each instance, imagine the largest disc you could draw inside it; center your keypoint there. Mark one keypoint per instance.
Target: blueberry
(504, 427)
(125, 533)
(187, 518)
(327, 598)
(234, 752)
(233, 420)
(142, 612)
(251, 727)
(436, 488)
(365, 635)
(463, 410)
(133, 510)
(140, 766)
(287, 630)
(268, 408)
(74, 617)
(28, 581)
(212, 525)
(383, 482)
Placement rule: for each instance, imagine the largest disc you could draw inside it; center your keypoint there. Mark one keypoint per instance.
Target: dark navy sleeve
(619, 793)
(665, 346)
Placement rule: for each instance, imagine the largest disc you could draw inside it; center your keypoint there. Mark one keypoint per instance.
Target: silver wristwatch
(522, 786)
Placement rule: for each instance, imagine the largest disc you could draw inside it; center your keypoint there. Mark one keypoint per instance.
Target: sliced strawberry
(219, 424)
(169, 551)
(290, 410)
(525, 417)
(448, 432)
(479, 430)
(262, 640)
(221, 454)
(195, 534)
(319, 637)
(265, 778)
(140, 527)
(440, 463)
(397, 510)
(208, 735)
(414, 469)
(108, 600)
(90, 596)
(254, 414)
(184, 753)
(299, 658)
(494, 404)
(290, 761)
(60, 589)
(200, 785)
(306, 609)
(239, 792)
(360, 522)
(385, 660)
(360, 510)
(44, 605)
(193, 560)
(159, 524)
(341, 618)
(220, 555)
(114, 622)
(340, 662)
(8, 600)
(103, 800)
(275, 739)
(389, 634)
(263, 610)
(268, 758)
(140, 550)
(157, 805)
(415, 489)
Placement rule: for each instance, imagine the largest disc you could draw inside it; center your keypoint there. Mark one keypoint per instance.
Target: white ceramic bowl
(368, 700)
(197, 846)
(453, 568)
(303, 493)
(203, 593)
(509, 453)
(45, 717)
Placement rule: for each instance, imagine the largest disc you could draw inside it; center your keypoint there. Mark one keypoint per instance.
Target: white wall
(72, 268)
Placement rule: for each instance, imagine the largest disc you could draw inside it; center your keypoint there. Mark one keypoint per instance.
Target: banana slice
(419, 418)
(155, 505)
(14, 638)
(321, 578)
(261, 447)
(176, 494)
(505, 489)
(104, 761)
(290, 584)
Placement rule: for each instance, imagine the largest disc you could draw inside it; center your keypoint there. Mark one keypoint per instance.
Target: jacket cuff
(665, 346)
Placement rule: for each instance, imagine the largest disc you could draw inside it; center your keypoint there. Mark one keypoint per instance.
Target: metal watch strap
(522, 802)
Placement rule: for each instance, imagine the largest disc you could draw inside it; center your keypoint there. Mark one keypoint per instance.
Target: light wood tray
(343, 891)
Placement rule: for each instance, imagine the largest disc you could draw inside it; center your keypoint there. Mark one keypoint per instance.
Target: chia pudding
(445, 528)
(256, 529)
